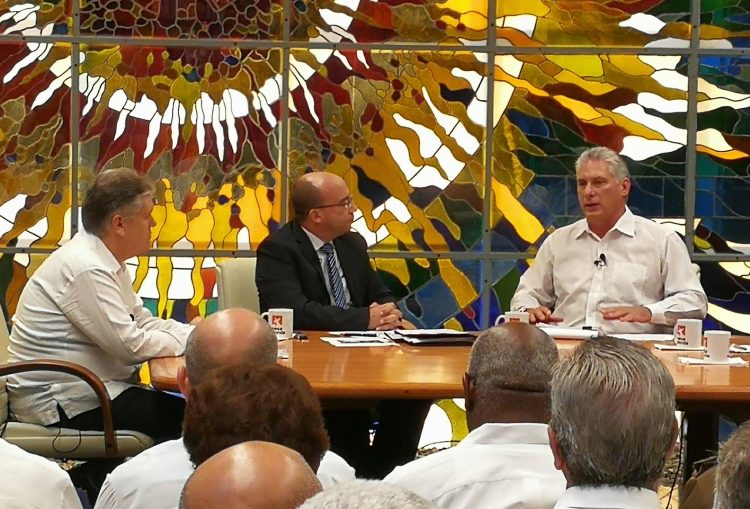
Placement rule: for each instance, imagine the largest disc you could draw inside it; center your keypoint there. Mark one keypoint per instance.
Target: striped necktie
(334, 278)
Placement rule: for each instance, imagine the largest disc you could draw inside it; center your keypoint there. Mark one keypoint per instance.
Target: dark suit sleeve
(376, 291)
(285, 279)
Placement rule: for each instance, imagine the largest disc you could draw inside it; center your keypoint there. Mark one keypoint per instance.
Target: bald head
(251, 475)
(509, 374)
(230, 336)
(310, 190)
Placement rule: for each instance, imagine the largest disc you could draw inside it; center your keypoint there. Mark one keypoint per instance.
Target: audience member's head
(508, 378)
(231, 336)
(733, 471)
(242, 402)
(251, 475)
(366, 495)
(613, 420)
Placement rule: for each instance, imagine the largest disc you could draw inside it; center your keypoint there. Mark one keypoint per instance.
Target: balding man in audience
(367, 495)
(251, 475)
(733, 471)
(505, 461)
(156, 476)
(612, 425)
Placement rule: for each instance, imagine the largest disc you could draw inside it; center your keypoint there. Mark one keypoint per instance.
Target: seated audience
(28, 481)
(733, 471)
(270, 403)
(612, 425)
(156, 476)
(79, 306)
(366, 495)
(505, 461)
(251, 475)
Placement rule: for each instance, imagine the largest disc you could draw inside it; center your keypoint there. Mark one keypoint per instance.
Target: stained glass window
(456, 124)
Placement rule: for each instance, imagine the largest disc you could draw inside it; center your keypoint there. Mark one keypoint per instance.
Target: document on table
(648, 337)
(431, 336)
(560, 332)
(357, 341)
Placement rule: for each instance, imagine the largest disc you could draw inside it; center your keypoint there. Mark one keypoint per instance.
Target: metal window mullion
(489, 143)
(691, 124)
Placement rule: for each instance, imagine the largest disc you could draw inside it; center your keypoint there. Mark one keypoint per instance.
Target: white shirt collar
(98, 246)
(508, 433)
(316, 242)
(603, 497)
(625, 225)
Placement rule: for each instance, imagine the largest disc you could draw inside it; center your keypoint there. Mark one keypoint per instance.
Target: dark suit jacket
(289, 275)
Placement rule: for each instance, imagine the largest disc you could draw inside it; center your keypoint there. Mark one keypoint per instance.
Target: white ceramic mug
(688, 332)
(281, 321)
(513, 316)
(717, 344)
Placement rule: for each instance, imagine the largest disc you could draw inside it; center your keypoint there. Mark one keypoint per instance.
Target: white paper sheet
(645, 337)
(559, 332)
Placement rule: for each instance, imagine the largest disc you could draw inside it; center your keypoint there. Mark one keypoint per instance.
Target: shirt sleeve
(107, 498)
(95, 302)
(536, 287)
(684, 296)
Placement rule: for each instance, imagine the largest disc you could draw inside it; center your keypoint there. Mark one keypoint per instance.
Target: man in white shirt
(613, 271)
(28, 481)
(79, 306)
(612, 426)
(156, 477)
(257, 474)
(505, 461)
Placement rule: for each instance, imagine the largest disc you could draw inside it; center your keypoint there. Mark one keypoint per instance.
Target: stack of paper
(431, 336)
(361, 339)
(560, 332)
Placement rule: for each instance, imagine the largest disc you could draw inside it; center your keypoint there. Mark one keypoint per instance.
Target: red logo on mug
(680, 330)
(277, 321)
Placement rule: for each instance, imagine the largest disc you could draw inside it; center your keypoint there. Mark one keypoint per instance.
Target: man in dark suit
(295, 264)
(319, 268)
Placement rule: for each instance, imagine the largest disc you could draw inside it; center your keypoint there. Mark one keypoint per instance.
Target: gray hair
(365, 495)
(119, 190)
(609, 157)
(512, 356)
(613, 407)
(199, 361)
(733, 471)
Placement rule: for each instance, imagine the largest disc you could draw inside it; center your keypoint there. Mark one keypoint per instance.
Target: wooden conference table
(435, 372)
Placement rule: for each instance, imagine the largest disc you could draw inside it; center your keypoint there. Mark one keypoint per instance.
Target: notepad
(357, 341)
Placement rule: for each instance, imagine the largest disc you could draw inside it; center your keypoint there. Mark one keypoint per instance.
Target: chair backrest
(4, 342)
(235, 280)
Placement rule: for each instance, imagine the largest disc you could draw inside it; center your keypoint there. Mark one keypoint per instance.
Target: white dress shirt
(496, 465)
(79, 306)
(155, 478)
(317, 243)
(608, 497)
(28, 481)
(637, 263)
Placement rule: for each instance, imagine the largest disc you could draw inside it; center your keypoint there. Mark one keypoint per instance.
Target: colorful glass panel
(205, 19)
(406, 130)
(35, 143)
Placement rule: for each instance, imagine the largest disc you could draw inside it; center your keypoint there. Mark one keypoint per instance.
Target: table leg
(702, 439)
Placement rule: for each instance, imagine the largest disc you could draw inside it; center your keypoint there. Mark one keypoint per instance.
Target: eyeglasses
(346, 203)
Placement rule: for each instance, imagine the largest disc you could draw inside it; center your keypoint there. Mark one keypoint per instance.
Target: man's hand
(627, 313)
(384, 316)
(542, 315)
